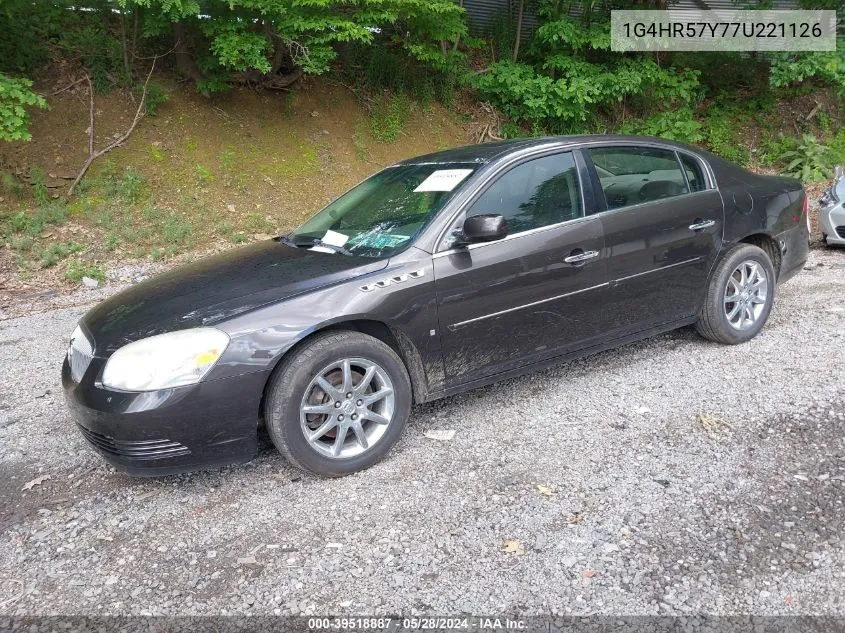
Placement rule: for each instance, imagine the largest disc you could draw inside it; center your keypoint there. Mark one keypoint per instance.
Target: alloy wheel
(745, 295)
(347, 408)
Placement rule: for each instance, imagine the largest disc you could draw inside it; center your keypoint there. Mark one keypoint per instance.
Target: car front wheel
(740, 296)
(339, 403)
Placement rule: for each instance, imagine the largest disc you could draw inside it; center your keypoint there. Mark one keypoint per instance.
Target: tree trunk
(186, 65)
(126, 65)
(518, 29)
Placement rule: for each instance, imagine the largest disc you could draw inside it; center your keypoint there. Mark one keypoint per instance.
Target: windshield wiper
(286, 239)
(309, 243)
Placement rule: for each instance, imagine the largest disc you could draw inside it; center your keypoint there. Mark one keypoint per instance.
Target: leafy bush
(155, 97)
(677, 125)
(719, 129)
(837, 148)
(808, 160)
(569, 81)
(15, 96)
(132, 185)
(797, 68)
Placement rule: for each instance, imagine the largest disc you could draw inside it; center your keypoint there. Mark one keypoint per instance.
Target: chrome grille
(140, 449)
(79, 354)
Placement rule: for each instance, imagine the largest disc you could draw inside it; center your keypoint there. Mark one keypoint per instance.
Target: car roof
(487, 152)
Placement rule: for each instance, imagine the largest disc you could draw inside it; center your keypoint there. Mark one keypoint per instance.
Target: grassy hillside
(202, 174)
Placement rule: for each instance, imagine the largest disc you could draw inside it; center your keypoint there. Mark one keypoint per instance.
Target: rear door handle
(702, 224)
(581, 257)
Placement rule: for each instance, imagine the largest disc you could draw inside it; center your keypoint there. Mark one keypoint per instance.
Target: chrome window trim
(539, 152)
(539, 229)
(455, 326)
(708, 171)
(642, 204)
(656, 270)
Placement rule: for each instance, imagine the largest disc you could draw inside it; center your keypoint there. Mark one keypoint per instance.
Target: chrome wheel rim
(347, 408)
(745, 295)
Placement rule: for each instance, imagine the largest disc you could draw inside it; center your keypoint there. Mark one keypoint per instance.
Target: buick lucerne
(436, 275)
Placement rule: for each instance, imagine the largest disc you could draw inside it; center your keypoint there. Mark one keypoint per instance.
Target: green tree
(15, 96)
(272, 42)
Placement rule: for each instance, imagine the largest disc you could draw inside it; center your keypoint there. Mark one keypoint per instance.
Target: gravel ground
(672, 476)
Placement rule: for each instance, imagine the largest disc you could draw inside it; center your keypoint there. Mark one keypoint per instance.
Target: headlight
(166, 360)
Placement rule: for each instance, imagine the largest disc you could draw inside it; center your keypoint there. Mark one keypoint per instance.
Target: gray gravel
(679, 476)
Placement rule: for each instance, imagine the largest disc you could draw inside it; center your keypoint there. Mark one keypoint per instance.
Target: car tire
(299, 403)
(738, 274)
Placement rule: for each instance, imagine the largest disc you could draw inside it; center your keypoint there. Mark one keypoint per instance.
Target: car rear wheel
(338, 404)
(740, 296)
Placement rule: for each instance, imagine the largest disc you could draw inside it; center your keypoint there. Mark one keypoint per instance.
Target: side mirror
(486, 227)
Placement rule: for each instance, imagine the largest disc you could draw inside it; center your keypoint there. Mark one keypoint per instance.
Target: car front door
(662, 226)
(532, 295)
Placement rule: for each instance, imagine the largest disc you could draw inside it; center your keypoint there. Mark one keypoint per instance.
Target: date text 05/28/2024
(399, 624)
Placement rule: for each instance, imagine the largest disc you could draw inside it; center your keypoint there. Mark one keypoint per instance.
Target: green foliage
(100, 51)
(569, 82)
(27, 28)
(155, 97)
(226, 158)
(389, 115)
(78, 269)
(259, 38)
(31, 223)
(202, 175)
(808, 160)
(837, 148)
(502, 34)
(796, 68)
(11, 185)
(720, 133)
(773, 147)
(677, 125)
(54, 252)
(15, 96)
(132, 185)
(39, 185)
(572, 99)
(386, 68)
(176, 229)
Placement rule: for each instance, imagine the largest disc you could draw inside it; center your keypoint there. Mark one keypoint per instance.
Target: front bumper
(171, 430)
(832, 223)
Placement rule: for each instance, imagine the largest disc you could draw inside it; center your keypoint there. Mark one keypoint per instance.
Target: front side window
(537, 193)
(384, 214)
(633, 175)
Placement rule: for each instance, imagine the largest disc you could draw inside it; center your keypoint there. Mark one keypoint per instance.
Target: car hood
(217, 288)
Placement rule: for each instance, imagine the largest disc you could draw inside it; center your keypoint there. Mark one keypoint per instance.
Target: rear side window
(634, 175)
(537, 193)
(695, 177)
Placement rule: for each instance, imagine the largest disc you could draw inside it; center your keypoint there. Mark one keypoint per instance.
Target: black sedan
(436, 275)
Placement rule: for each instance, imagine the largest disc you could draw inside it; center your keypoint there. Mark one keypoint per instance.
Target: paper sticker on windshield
(443, 180)
(334, 238)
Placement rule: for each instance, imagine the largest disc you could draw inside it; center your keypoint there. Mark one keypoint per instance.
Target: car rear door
(535, 293)
(662, 224)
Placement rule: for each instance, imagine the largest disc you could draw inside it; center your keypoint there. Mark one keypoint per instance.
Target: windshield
(383, 214)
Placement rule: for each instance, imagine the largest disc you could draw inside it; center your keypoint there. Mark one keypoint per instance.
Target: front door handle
(581, 257)
(702, 224)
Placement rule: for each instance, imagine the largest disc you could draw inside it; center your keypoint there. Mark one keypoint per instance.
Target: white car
(832, 213)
